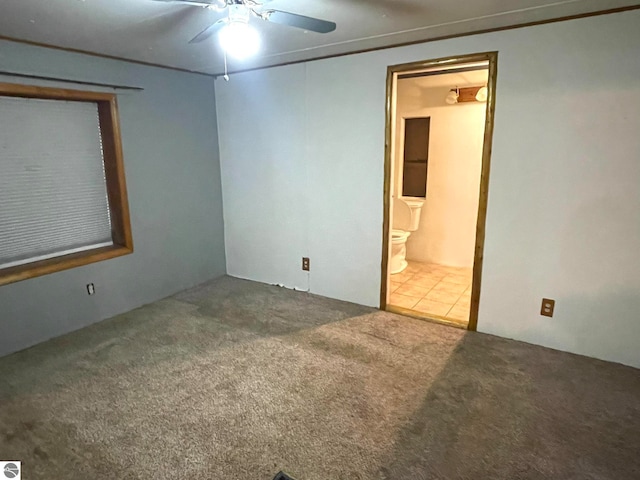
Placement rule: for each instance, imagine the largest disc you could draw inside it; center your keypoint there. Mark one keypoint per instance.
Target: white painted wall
(447, 230)
(302, 165)
(266, 207)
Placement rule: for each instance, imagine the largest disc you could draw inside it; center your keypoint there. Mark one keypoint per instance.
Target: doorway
(439, 126)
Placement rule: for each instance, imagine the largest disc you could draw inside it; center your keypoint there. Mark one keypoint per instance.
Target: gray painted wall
(172, 166)
(562, 219)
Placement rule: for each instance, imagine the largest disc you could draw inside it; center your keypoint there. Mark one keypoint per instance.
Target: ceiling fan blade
(298, 21)
(207, 32)
(202, 3)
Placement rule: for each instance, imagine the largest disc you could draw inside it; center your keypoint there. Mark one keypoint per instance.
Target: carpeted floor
(238, 380)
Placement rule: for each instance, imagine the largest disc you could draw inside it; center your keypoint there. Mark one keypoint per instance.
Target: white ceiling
(430, 91)
(448, 80)
(158, 33)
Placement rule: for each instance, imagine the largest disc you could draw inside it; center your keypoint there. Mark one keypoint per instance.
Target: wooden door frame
(444, 63)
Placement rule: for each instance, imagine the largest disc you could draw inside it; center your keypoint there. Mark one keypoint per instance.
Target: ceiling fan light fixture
(239, 40)
(218, 5)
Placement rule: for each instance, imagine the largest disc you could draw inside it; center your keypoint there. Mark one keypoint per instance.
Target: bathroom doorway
(439, 128)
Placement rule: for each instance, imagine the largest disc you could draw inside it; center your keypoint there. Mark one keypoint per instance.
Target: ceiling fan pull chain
(226, 76)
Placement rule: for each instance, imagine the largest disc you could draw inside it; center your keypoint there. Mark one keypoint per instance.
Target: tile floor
(433, 289)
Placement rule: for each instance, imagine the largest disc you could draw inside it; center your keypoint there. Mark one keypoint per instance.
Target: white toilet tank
(416, 208)
(406, 213)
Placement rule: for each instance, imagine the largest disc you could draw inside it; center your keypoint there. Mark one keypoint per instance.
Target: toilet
(406, 219)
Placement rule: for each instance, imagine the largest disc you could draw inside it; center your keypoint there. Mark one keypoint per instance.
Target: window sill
(52, 265)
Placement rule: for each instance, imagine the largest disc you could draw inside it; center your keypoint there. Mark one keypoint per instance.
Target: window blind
(53, 196)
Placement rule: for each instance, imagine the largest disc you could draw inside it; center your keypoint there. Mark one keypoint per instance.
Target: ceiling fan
(236, 37)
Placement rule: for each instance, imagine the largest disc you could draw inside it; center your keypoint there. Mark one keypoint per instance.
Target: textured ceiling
(158, 33)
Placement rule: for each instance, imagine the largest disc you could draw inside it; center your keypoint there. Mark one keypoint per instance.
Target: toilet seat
(399, 236)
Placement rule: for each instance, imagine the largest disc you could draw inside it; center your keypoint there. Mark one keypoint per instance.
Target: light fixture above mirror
(481, 96)
(466, 94)
(452, 96)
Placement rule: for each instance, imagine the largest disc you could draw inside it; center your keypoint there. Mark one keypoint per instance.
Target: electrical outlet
(91, 289)
(305, 264)
(547, 307)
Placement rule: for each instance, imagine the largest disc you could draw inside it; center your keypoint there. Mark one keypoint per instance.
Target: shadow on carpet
(236, 379)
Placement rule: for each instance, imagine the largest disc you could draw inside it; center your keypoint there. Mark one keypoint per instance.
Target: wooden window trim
(115, 183)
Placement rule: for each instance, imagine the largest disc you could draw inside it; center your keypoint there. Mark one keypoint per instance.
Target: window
(416, 157)
(63, 199)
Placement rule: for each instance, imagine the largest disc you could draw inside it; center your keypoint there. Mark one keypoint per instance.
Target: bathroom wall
(446, 234)
(302, 156)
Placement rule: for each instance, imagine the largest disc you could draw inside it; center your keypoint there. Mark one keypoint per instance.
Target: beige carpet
(238, 380)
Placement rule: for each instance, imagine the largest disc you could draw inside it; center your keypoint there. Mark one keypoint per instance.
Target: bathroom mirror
(416, 157)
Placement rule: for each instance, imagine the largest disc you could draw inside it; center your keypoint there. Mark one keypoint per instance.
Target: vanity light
(466, 94)
(481, 96)
(452, 96)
